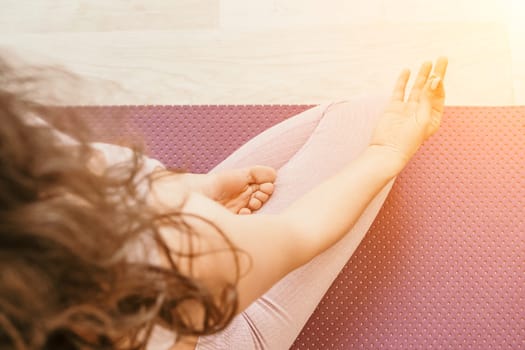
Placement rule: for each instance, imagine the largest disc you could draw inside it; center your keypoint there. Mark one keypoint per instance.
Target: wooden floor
(272, 51)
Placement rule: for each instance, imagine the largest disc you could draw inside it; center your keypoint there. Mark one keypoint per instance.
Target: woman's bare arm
(277, 244)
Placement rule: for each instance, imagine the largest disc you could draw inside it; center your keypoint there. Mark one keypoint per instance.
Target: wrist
(392, 160)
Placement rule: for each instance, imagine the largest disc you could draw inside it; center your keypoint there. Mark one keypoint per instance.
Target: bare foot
(242, 191)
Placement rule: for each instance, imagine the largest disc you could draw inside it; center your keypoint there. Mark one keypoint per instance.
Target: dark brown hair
(66, 279)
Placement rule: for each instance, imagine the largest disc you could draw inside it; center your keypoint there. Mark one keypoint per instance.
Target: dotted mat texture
(443, 265)
(191, 138)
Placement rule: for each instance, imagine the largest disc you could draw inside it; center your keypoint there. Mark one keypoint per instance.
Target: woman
(101, 248)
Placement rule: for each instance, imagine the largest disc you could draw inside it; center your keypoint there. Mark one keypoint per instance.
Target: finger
(432, 99)
(441, 67)
(399, 90)
(244, 211)
(421, 79)
(260, 174)
(263, 197)
(436, 86)
(254, 204)
(267, 187)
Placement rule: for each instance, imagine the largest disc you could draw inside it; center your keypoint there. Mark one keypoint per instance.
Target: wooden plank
(299, 65)
(44, 16)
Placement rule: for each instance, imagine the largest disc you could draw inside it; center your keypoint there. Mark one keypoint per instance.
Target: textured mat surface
(193, 138)
(443, 265)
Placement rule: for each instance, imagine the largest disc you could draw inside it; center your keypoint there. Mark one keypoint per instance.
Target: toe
(267, 188)
(263, 197)
(254, 204)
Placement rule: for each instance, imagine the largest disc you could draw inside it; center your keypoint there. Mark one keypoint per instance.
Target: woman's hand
(405, 125)
(242, 191)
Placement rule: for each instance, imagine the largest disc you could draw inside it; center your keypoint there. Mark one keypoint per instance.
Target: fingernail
(434, 84)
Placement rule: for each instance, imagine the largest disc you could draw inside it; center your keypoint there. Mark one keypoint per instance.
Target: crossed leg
(318, 143)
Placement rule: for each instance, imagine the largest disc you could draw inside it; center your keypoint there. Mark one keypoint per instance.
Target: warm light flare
(516, 14)
(516, 31)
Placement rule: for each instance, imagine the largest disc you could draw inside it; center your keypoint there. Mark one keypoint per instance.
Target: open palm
(405, 125)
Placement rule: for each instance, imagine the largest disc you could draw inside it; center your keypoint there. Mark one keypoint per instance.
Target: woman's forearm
(271, 246)
(322, 216)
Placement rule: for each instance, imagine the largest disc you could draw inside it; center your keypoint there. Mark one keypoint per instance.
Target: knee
(361, 112)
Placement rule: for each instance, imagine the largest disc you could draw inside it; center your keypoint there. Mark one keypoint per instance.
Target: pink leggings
(306, 149)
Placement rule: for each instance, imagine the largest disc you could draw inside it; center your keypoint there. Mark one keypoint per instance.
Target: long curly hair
(66, 234)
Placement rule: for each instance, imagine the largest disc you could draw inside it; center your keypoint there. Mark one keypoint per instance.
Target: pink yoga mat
(193, 138)
(443, 265)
